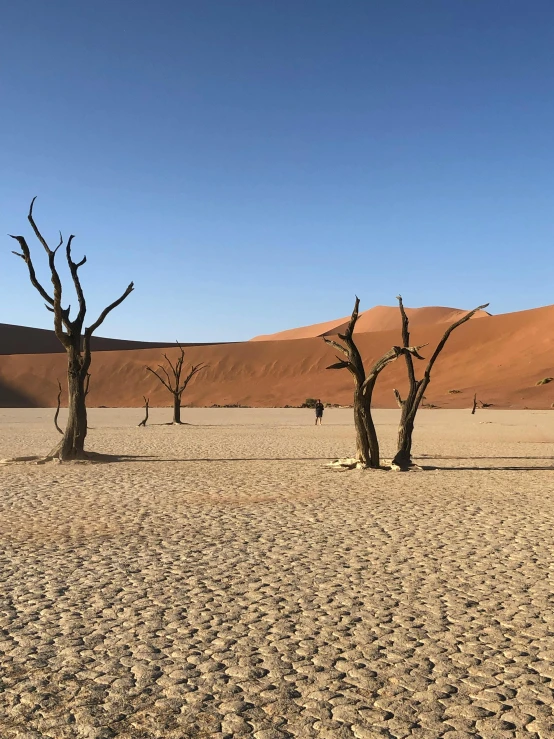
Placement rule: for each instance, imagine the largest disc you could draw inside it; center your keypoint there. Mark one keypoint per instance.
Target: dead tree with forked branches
(416, 388)
(367, 443)
(70, 333)
(174, 384)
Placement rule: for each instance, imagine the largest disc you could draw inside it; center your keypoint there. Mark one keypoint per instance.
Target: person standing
(318, 412)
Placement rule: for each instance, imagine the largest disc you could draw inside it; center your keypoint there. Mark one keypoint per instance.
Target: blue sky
(251, 164)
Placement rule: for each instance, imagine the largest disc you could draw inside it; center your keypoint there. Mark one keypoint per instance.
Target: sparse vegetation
(235, 405)
(545, 381)
(454, 392)
(309, 403)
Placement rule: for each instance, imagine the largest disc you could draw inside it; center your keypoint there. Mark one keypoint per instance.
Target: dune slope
(378, 318)
(501, 358)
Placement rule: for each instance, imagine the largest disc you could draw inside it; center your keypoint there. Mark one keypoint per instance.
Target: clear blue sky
(251, 164)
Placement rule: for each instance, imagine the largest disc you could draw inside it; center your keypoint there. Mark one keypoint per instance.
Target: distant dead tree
(416, 391)
(146, 406)
(474, 404)
(367, 443)
(174, 384)
(70, 334)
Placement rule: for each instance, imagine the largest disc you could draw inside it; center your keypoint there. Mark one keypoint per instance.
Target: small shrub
(454, 392)
(309, 403)
(545, 381)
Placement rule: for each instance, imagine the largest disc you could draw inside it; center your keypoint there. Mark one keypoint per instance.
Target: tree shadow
(431, 456)
(499, 468)
(96, 457)
(111, 458)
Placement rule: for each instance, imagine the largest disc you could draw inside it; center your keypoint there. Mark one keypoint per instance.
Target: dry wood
(146, 405)
(174, 384)
(367, 443)
(70, 334)
(57, 413)
(416, 388)
(398, 397)
(474, 404)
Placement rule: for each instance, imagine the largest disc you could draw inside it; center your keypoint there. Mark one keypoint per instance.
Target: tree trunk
(176, 408)
(367, 444)
(72, 446)
(403, 457)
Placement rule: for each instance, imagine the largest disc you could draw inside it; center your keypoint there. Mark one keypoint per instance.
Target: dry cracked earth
(216, 580)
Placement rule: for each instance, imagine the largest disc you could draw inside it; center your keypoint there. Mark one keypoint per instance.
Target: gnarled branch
(57, 413)
(101, 318)
(440, 347)
(73, 268)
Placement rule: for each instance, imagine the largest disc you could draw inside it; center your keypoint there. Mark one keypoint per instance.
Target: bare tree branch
(57, 413)
(38, 234)
(101, 318)
(161, 379)
(440, 347)
(398, 398)
(60, 318)
(73, 268)
(163, 369)
(195, 369)
(336, 345)
(26, 256)
(406, 340)
(168, 360)
(339, 365)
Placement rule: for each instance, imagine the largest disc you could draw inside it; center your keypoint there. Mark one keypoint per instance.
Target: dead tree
(416, 389)
(146, 405)
(174, 384)
(474, 404)
(367, 443)
(70, 333)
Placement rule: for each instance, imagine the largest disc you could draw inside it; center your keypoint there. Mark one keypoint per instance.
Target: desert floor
(216, 580)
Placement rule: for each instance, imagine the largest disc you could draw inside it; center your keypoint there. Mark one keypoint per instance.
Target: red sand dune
(500, 358)
(379, 318)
